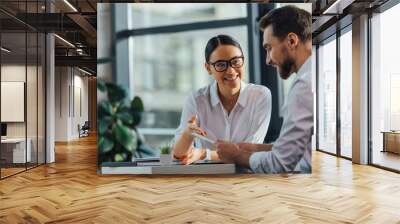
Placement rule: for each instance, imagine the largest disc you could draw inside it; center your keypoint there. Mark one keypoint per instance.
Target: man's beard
(285, 70)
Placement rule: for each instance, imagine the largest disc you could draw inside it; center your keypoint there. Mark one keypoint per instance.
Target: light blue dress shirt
(292, 150)
(247, 122)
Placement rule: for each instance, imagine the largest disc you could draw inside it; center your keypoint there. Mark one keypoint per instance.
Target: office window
(346, 94)
(385, 88)
(327, 96)
(152, 15)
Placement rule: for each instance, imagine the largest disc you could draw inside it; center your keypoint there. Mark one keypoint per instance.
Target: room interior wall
(17, 73)
(71, 102)
(32, 127)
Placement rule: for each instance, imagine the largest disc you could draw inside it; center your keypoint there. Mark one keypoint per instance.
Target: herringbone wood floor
(70, 191)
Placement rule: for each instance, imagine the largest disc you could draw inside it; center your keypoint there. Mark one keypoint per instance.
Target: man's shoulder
(303, 81)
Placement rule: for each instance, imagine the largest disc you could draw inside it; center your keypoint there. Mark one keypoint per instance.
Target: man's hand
(231, 153)
(250, 147)
(227, 152)
(247, 146)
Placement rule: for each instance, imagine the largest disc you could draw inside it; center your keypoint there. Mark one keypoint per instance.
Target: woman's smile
(231, 78)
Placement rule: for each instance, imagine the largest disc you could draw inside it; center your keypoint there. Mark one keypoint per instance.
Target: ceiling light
(70, 5)
(65, 41)
(5, 50)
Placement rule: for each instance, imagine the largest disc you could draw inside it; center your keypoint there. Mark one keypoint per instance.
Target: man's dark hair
(221, 39)
(288, 19)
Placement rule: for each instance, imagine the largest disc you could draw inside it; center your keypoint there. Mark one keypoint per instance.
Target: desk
(13, 150)
(130, 168)
(391, 141)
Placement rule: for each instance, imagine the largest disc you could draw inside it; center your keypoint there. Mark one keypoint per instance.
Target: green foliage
(118, 139)
(137, 104)
(165, 149)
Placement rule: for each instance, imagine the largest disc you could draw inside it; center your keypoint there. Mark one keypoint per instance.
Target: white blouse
(247, 122)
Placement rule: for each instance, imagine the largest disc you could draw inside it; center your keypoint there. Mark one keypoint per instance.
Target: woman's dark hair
(214, 42)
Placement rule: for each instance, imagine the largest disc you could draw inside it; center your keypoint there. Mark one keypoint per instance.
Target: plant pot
(165, 159)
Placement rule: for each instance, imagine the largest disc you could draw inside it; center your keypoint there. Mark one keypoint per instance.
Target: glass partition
(14, 152)
(346, 94)
(385, 89)
(327, 96)
(22, 67)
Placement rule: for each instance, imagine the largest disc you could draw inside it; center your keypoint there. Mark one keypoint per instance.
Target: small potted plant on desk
(165, 155)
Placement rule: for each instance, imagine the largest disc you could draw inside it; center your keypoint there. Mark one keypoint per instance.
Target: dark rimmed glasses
(222, 65)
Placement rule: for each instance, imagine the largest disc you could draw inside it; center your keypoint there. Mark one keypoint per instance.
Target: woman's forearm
(183, 145)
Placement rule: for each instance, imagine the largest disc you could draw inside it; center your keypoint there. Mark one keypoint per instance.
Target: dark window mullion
(338, 98)
(317, 96)
(213, 24)
(0, 97)
(26, 87)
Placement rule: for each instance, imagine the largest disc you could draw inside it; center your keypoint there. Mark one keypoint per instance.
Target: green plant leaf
(137, 104)
(105, 108)
(101, 85)
(165, 149)
(116, 93)
(120, 157)
(104, 124)
(137, 117)
(125, 117)
(105, 145)
(125, 136)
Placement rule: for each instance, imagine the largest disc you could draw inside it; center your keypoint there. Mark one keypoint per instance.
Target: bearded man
(288, 45)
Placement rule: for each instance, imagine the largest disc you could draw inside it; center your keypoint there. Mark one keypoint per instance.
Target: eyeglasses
(221, 65)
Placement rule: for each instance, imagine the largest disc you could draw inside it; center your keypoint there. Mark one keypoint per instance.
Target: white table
(18, 149)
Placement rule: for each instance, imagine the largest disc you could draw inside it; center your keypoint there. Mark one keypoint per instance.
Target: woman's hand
(183, 147)
(194, 155)
(193, 128)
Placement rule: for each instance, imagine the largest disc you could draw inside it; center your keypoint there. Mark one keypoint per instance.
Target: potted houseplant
(165, 155)
(118, 139)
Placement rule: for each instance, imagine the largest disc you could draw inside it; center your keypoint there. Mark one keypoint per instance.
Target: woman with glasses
(227, 109)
